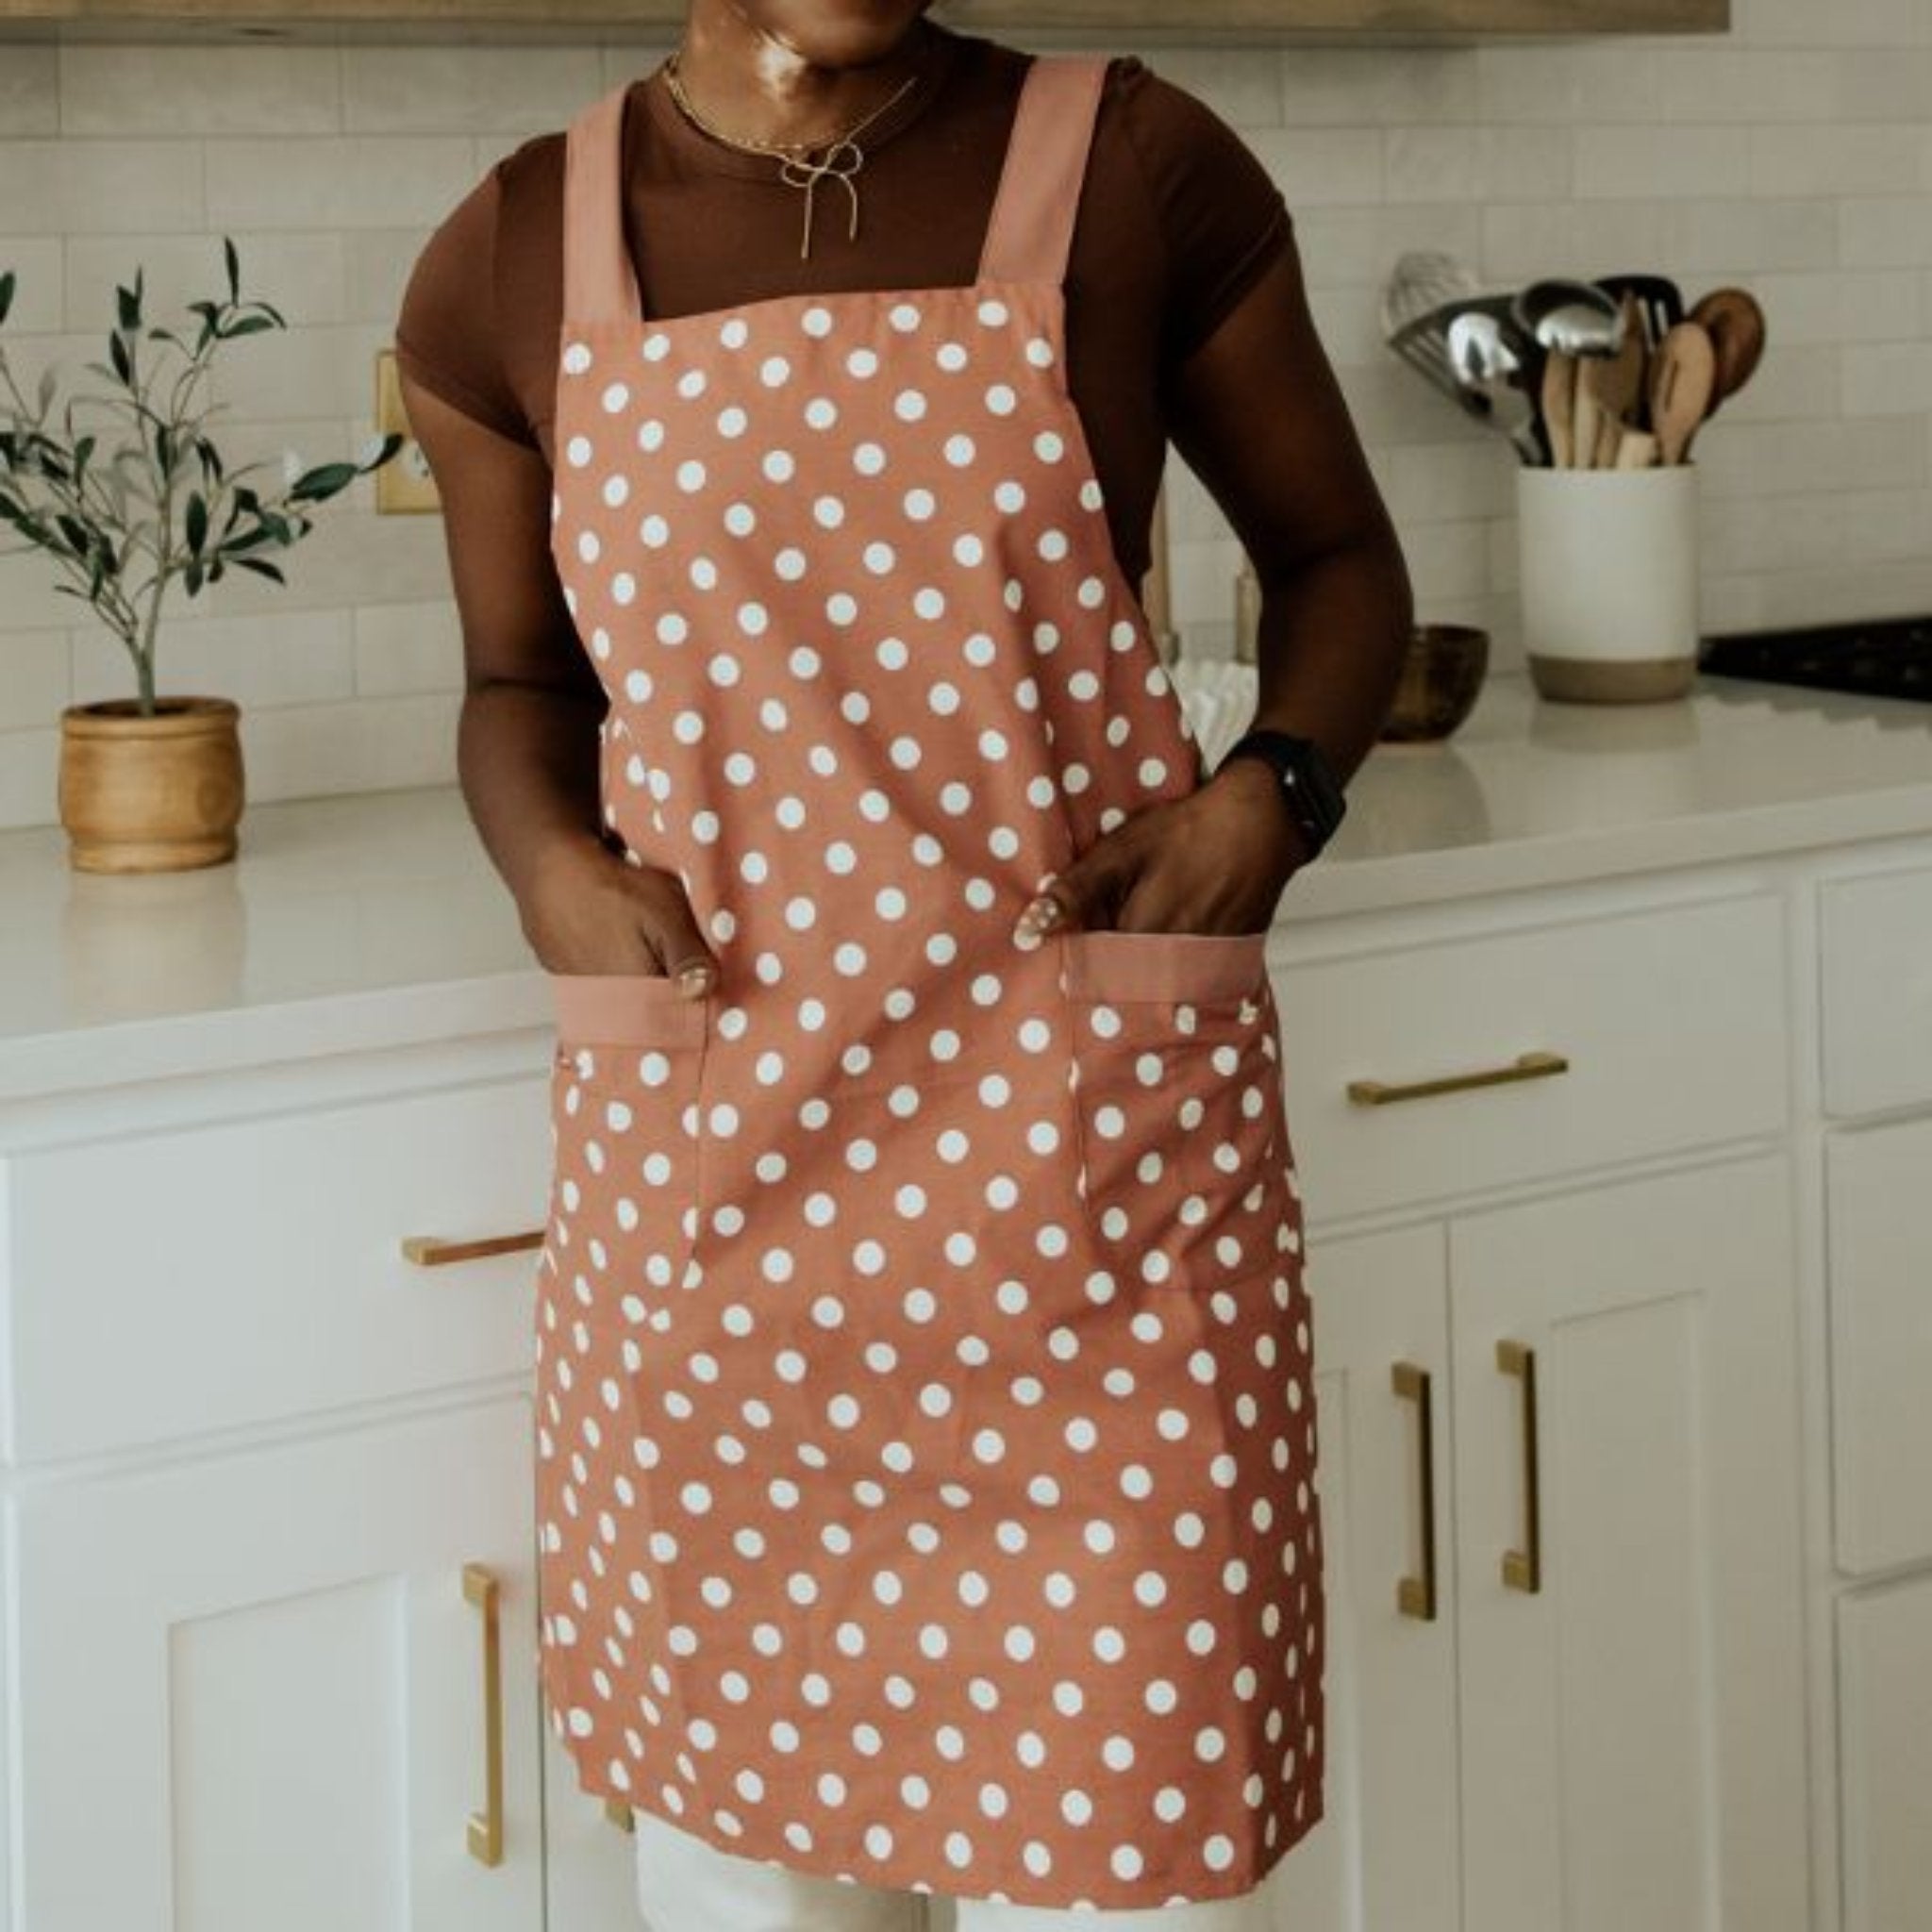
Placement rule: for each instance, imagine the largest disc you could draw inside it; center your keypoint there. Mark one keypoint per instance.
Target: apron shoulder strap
(599, 284)
(1031, 231)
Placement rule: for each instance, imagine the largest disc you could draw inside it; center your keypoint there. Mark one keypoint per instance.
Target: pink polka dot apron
(924, 1423)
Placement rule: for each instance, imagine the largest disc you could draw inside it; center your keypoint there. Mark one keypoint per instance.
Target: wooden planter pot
(156, 793)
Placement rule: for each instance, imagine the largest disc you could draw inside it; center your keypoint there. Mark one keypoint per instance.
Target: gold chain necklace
(841, 157)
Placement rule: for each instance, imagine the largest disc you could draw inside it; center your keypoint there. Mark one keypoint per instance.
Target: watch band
(1314, 794)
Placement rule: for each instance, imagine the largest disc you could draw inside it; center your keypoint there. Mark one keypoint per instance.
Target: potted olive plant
(128, 493)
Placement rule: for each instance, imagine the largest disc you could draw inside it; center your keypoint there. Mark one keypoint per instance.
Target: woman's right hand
(593, 911)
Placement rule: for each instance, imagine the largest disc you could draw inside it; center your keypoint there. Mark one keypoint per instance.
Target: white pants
(687, 1884)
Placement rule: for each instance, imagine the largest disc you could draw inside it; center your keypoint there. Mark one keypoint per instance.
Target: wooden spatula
(1617, 384)
(1559, 405)
(1681, 387)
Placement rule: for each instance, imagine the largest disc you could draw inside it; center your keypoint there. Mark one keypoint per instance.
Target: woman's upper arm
(1259, 415)
(491, 475)
(496, 496)
(1248, 396)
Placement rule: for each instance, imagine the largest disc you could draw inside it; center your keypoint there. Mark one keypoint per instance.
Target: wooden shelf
(1136, 19)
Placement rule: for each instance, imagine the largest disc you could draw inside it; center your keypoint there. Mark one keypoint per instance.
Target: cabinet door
(590, 1881)
(252, 1689)
(1384, 1856)
(1885, 1750)
(1632, 1713)
(1881, 1343)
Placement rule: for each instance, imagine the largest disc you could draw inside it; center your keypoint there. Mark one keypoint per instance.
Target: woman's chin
(836, 33)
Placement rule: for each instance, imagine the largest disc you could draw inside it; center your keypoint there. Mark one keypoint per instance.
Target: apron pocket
(1180, 1115)
(625, 1109)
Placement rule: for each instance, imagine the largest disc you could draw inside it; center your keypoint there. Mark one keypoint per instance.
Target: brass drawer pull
(1523, 1569)
(485, 1827)
(1415, 1596)
(1535, 1065)
(431, 1251)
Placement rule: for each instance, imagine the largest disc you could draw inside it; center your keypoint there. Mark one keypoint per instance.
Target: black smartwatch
(1309, 782)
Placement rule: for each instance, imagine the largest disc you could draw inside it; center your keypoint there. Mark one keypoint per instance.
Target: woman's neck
(760, 77)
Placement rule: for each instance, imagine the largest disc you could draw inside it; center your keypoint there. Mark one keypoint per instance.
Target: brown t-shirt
(1178, 219)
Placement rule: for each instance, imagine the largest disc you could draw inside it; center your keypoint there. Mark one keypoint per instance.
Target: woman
(925, 1419)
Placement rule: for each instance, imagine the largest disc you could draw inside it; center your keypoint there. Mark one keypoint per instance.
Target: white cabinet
(1875, 1123)
(1875, 947)
(268, 1688)
(1602, 1723)
(1629, 1580)
(1626, 1033)
(590, 1882)
(1563, 1417)
(1880, 1273)
(1885, 1667)
(1386, 1855)
(258, 1261)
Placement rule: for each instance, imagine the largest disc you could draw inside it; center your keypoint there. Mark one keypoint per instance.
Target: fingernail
(1040, 914)
(695, 979)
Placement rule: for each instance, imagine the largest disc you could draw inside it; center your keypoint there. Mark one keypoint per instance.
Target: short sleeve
(1223, 219)
(446, 329)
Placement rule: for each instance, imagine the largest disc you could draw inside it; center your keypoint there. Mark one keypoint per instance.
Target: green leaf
(193, 577)
(7, 287)
(197, 522)
(316, 485)
(260, 566)
(234, 269)
(128, 307)
(124, 363)
(248, 325)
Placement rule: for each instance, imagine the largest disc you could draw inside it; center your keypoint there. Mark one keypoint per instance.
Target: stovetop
(1889, 658)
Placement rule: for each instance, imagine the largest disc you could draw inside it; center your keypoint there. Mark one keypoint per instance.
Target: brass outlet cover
(404, 487)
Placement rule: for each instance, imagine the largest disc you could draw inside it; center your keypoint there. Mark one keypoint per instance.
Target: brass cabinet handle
(1523, 1569)
(431, 1251)
(1536, 1065)
(1415, 1596)
(619, 1814)
(485, 1827)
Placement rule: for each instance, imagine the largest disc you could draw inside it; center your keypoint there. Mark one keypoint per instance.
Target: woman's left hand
(1214, 861)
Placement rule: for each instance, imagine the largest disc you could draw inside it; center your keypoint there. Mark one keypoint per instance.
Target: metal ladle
(1484, 354)
(1572, 317)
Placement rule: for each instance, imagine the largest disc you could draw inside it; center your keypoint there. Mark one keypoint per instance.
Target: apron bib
(926, 1421)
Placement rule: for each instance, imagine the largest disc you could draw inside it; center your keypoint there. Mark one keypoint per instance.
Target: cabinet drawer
(213, 1277)
(1876, 944)
(1672, 1024)
(1880, 1248)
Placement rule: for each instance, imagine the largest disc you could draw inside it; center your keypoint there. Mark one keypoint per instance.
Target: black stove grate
(1888, 657)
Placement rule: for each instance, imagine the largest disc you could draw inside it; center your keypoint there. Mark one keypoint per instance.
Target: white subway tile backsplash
(29, 92)
(1319, 165)
(410, 91)
(122, 88)
(1661, 159)
(1791, 156)
(37, 682)
(267, 657)
(382, 181)
(101, 187)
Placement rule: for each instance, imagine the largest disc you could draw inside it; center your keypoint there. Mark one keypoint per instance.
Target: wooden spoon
(1617, 384)
(1559, 405)
(1682, 384)
(1735, 324)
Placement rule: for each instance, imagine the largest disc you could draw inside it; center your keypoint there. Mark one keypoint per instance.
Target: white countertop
(376, 920)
